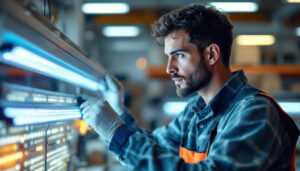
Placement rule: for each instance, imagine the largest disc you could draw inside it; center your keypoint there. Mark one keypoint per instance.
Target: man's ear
(213, 53)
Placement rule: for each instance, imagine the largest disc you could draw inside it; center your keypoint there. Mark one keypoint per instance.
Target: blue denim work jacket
(240, 129)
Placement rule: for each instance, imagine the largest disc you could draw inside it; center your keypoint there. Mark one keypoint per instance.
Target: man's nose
(171, 67)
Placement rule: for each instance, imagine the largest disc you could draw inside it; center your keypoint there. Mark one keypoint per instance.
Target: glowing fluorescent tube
(24, 116)
(174, 108)
(236, 6)
(28, 60)
(121, 31)
(255, 40)
(32, 112)
(293, 1)
(19, 121)
(290, 107)
(105, 8)
(10, 158)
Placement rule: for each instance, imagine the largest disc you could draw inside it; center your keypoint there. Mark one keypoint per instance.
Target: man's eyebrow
(175, 51)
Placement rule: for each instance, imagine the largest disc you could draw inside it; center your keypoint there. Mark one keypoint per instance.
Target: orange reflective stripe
(293, 160)
(289, 118)
(191, 156)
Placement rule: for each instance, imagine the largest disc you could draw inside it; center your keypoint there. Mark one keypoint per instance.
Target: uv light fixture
(26, 59)
(25, 116)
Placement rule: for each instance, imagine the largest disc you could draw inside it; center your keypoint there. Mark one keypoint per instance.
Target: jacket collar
(225, 94)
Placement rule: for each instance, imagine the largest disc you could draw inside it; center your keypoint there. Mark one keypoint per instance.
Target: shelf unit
(283, 70)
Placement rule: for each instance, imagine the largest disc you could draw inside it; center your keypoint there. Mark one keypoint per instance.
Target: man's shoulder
(249, 94)
(250, 100)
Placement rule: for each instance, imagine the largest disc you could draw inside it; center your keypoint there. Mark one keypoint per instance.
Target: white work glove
(114, 94)
(99, 115)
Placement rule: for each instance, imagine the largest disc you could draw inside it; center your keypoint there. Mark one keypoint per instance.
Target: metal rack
(42, 75)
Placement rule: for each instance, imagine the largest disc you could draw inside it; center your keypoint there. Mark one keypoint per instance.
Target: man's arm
(251, 140)
(105, 121)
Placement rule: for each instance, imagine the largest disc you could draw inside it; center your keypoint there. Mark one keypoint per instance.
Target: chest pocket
(193, 157)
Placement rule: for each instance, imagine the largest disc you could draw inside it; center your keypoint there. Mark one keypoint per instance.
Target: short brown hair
(204, 25)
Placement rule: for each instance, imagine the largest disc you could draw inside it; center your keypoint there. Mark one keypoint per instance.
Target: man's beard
(196, 80)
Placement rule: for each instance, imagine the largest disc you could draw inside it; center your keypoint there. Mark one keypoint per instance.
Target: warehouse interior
(271, 64)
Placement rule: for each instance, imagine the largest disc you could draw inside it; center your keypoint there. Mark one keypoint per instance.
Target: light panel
(290, 107)
(173, 108)
(105, 8)
(298, 31)
(121, 31)
(29, 60)
(24, 116)
(255, 40)
(293, 1)
(236, 6)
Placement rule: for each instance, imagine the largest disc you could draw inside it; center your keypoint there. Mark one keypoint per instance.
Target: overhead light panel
(298, 31)
(26, 59)
(121, 31)
(236, 6)
(105, 8)
(293, 1)
(255, 40)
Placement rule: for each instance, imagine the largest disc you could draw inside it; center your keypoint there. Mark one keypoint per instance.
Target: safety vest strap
(289, 119)
(192, 157)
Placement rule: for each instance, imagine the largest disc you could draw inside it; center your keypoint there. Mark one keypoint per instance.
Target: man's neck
(216, 83)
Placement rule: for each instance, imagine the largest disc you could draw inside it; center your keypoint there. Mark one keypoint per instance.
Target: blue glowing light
(31, 61)
(24, 116)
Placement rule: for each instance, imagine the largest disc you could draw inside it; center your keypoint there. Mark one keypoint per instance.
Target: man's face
(186, 66)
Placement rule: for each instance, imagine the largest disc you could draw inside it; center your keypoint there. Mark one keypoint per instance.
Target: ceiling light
(121, 31)
(105, 8)
(293, 1)
(298, 31)
(236, 6)
(255, 40)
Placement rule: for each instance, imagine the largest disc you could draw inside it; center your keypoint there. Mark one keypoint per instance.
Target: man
(229, 126)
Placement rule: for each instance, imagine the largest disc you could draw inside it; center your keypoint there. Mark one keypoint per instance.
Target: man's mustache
(176, 76)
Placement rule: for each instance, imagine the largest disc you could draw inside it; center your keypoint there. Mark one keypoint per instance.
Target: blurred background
(118, 39)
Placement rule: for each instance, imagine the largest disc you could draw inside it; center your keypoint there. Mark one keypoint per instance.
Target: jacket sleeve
(167, 137)
(252, 139)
